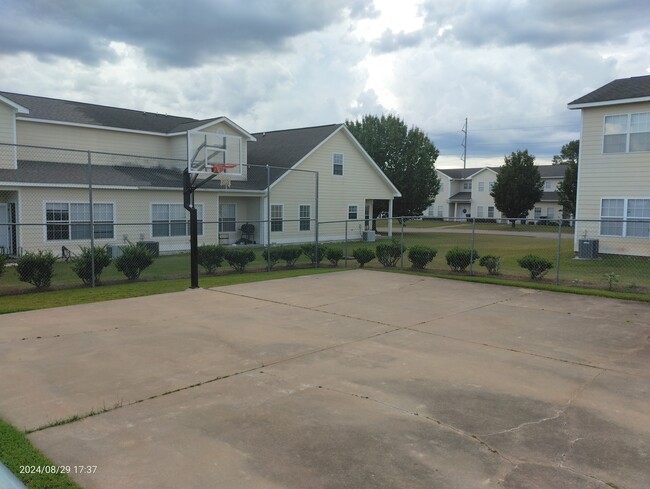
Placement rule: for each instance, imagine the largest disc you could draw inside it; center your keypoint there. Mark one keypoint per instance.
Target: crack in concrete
(449, 427)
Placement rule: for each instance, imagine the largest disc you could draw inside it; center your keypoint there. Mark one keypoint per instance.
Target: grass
(16, 451)
(85, 295)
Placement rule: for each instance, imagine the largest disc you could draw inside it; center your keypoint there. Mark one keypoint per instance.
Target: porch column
(390, 218)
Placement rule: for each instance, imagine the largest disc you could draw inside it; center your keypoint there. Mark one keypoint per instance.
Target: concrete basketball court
(356, 379)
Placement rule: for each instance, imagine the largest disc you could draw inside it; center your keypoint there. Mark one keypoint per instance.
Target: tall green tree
(568, 188)
(518, 186)
(406, 156)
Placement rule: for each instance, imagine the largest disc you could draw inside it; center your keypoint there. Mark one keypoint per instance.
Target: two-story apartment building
(136, 172)
(465, 193)
(613, 196)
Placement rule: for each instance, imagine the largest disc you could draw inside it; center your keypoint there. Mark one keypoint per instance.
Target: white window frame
(547, 185)
(624, 219)
(227, 224)
(356, 212)
(170, 235)
(550, 212)
(537, 213)
(479, 211)
(628, 132)
(481, 186)
(70, 223)
(490, 212)
(439, 211)
(491, 186)
(336, 164)
(467, 186)
(304, 223)
(277, 223)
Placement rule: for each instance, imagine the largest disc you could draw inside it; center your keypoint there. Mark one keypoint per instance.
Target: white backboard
(214, 152)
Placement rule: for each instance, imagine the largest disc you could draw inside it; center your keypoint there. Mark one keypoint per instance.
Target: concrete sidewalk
(357, 379)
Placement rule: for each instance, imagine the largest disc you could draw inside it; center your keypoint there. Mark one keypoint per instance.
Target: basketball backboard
(214, 152)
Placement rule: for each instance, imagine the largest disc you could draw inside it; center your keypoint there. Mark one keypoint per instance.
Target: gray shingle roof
(621, 89)
(546, 171)
(461, 197)
(550, 197)
(100, 115)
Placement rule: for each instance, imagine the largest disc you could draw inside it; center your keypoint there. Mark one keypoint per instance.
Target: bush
(334, 255)
(135, 259)
(459, 259)
(290, 254)
(272, 256)
(309, 250)
(389, 253)
(3, 262)
(36, 268)
(536, 265)
(492, 263)
(82, 264)
(421, 256)
(239, 258)
(363, 256)
(211, 257)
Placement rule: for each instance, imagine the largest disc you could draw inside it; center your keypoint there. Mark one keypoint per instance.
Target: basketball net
(225, 179)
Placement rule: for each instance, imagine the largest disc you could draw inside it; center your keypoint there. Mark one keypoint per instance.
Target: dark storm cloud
(539, 24)
(171, 33)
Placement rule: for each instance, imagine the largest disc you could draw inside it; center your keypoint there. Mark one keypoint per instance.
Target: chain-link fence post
(92, 221)
(346, 244)
(559, 253)
(268, 218)
(471, 254)
(317, 261)
(401, 245)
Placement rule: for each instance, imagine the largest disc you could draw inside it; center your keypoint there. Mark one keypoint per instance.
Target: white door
(4, 228)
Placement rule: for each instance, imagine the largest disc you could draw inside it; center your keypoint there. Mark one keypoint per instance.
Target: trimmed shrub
(334, 255)
(3, 262)
(492, 263)
(134, 259)
(272, 256)
(459, 258)
(389, 253)
(36, 268)
(239, 258)
(290, 254)
(309, 251)
(211, 257)
(363, 256)
(536, 265)
(82, 264)
(421, 256)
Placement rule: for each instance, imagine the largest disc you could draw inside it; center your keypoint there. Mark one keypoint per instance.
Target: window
(627, 133)
(625, 217)
(72, 221)
(467, 185)
(227, 218)
(352, 212)
(439, 211)
(173, 220)
(479, 211)
(491, 186)
(277, 211)
(481, 186)
(550, 213)
(547, 185)
(337, 164)
(538, 212)
(430, 211)
(305, 217)
(490, 211)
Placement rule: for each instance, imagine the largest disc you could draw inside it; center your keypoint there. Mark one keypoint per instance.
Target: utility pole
(465, 144)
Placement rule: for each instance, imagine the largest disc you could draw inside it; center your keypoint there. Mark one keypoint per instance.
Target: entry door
(4, 228)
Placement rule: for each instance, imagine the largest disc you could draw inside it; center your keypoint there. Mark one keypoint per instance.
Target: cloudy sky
(509, 66)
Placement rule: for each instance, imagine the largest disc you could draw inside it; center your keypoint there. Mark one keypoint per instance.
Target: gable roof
(623, 90)
(545, 171)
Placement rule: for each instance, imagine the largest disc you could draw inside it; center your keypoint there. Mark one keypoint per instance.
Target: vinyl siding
(613, 175)
(7, 136)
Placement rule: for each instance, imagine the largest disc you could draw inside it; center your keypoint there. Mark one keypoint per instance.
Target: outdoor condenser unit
(114, 251)
(368, 236)
(588, 249)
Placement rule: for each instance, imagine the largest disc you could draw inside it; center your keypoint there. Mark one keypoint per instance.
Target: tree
(518, 186)
(406, 156)
(567, 189)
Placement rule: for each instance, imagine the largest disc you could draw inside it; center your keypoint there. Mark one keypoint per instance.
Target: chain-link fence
(69, 218)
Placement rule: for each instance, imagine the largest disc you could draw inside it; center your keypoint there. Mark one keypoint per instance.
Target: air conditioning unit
(114, 251)
(588, 249)
(368, 236)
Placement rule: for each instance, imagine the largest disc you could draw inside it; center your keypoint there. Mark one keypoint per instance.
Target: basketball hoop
(224, 178)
